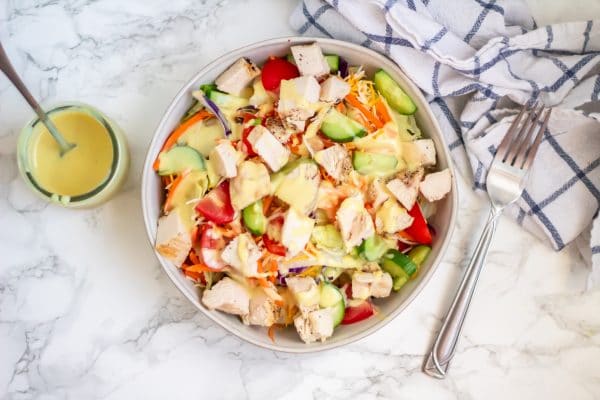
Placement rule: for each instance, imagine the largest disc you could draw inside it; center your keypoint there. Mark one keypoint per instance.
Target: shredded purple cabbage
(281, 278)
(296, 270)
(215, 109)
(343, 67)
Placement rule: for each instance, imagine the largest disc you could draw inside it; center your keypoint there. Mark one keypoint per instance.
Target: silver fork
(505, 182)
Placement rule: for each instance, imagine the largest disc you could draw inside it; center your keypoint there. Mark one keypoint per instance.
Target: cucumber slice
(331, 297)
(178, 159)
(419, 254)
(340, 128)
(227, 100)
(373, 164)
(254, 219)
(373, 248)
(333, 61)
(399, 266)
(327, 236)
(393, 93)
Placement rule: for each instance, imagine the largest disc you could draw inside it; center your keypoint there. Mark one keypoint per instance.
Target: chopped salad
(298, 192)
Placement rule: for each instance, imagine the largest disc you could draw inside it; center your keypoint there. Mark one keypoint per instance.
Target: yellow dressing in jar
(85, 176)
(80, 170)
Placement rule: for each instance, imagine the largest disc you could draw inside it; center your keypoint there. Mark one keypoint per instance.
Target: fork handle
(438, 360)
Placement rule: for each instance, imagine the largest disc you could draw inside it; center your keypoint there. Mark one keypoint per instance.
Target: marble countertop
(86, 312)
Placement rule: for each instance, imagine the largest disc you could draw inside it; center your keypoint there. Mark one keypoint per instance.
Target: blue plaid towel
(477, 61)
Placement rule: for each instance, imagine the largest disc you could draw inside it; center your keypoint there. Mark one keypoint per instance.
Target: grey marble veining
(86, 312)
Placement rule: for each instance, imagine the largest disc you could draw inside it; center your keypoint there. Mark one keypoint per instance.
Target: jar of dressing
(85, 176)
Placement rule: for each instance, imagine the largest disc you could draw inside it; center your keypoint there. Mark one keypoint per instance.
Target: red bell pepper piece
(358, 313)
(216, 205)
(419, 229)
(275, 70)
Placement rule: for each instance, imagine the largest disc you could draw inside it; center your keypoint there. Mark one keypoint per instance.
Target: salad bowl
(442, 221)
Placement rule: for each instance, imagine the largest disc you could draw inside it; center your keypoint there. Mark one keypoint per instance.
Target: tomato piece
(358, 313)
(275, 70)
(418, 230)
(216, 205)
(272, 237)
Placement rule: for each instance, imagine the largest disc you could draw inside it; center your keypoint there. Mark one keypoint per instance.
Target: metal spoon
(12, 75)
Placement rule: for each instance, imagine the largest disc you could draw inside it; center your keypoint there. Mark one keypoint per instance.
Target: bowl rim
(238, 52)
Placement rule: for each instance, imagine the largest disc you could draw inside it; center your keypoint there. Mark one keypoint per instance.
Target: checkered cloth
(477, 61)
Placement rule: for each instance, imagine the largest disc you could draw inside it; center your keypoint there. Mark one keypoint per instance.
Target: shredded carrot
(172, 190)
(341, 107)
(367, 113)
(279, 303)
(272, 279)
(260, 266)
(273, 267)
(266, 204)
(271, 331)
(179, 131)
(382, 111)
(191, 274)
(200, 268)
(194, 257)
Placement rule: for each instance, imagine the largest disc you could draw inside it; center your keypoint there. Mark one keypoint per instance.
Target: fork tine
(501, 152)
(536, 143)
(528, 138)
(516, 144)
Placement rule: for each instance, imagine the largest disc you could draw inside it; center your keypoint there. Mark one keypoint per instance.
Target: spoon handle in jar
(11, 74)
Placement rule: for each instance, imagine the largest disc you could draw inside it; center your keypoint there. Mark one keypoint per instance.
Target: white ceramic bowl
(287, 340)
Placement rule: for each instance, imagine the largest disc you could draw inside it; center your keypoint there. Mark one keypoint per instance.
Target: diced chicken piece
(382, 287)
(305, 291)
(251, 183)
(225, 158)
(392, 217)
(354, 221)
(317, 325)
(310, 60)
(242, 254)
(335, 160)
(237, 76)
(436, 185)
(367, 284)
(228, 296)
(273, 153)
(361, 285)
(377, 193)
(419, 153)
(173, 241)
(405, 188)
(263, 311)
(296, 231)
(334, 89)
(297, 101)
(275, 126)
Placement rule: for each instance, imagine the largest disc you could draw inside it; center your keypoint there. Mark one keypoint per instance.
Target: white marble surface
(86, 312)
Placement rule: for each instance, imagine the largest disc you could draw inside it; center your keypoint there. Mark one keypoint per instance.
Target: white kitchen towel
(477, 61)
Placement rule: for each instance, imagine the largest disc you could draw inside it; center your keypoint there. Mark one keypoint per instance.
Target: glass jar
(116, 170)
